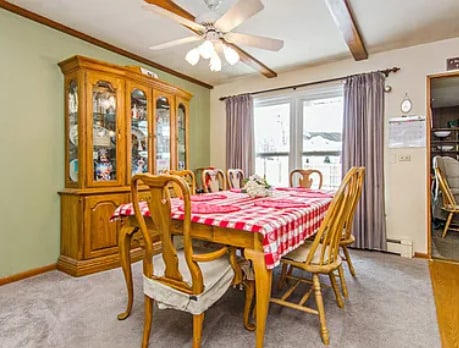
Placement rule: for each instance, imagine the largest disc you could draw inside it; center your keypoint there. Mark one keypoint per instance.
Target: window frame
(295, 99)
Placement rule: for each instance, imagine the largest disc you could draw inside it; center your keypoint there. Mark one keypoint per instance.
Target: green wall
(32, 136)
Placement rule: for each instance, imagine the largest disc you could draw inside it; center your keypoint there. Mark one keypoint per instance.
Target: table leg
(124, 244)
(263, 278)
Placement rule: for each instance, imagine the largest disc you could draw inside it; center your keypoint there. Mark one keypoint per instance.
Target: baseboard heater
(403, 247)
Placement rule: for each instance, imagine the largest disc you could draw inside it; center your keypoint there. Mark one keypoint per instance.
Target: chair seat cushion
(217, 277)
(300, 254)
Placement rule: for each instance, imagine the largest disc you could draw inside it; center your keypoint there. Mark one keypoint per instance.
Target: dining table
(265, 228)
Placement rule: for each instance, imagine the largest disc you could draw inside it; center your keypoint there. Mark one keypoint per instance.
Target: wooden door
(164, 147)
(105, 130)
(139, 153)
(101, 235)
(181, 134)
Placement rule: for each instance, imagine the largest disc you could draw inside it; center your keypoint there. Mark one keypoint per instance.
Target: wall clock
(406, 104)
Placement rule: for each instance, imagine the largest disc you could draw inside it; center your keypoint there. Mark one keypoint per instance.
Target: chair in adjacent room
(321, 256)
(188, 175)
(235, 178)
(214, 180)
(450, 169)
(308, 178)
(347, 237)
(180, 279)
(449, 204)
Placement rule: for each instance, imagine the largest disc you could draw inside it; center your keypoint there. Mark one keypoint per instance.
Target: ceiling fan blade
(175, 43)
(262, 42)
(252, 61)
(196, 27)
(237, 14)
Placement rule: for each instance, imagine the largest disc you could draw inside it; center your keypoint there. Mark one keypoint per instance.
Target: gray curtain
(363, 145)
(240, 151)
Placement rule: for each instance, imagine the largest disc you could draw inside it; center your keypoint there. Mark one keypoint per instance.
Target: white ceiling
(306, 26)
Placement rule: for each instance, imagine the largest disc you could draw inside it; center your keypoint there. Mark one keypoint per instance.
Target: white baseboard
(402, 247)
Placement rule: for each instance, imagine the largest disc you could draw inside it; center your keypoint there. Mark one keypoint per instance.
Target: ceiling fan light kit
(216, 32)
(206, 49)
(192, 56)
(215, 63)
(231, 55)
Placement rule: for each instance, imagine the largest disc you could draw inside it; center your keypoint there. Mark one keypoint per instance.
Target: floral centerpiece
(256, 186)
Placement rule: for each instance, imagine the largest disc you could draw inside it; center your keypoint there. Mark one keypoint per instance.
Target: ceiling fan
(216, 31)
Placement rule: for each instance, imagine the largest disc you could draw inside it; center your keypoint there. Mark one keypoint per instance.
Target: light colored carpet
(390, 305)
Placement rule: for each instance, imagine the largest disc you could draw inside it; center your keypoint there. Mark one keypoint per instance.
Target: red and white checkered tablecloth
(283, 230)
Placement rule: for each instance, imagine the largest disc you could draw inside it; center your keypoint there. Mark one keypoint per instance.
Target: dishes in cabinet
(73, 134)
(101, 136)
(73, 170)
(138, 133)
(445, 147)
(442, 134)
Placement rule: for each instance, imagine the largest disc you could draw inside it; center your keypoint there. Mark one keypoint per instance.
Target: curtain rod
(384, 71)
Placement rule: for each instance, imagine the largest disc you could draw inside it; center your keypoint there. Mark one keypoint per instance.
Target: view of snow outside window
(321, 140)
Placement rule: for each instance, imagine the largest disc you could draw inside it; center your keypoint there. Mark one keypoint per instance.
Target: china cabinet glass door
(105, 129)
(163, 133)
(72, 145)
(181, 136)
(139, 132)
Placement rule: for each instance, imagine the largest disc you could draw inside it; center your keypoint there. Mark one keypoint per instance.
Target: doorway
(443, 152)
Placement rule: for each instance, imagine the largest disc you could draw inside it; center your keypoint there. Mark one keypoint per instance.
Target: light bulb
(206, 49)
(192, 56)
(231, 55)
(215, 62)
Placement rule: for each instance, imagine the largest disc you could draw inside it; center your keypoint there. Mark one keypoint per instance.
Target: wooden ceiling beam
(252, 61)
(342, 15)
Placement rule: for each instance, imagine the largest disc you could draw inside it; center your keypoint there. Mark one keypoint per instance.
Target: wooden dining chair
(198, 177)
(347, 236)
(321, 256)
(235, 178)
(189, 177)
(214, 180)
(449, 203)
(179, 279)
(306, 178)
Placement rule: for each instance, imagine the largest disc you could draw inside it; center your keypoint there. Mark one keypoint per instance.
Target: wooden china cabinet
(118, 122)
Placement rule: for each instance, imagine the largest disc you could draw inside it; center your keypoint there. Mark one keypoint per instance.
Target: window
(299, 130)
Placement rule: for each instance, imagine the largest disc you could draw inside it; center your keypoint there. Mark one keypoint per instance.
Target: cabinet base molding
(79, 268)
(27, 274)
